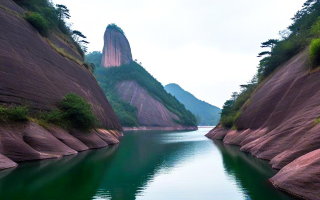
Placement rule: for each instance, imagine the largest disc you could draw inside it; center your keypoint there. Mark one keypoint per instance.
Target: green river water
(148, 165)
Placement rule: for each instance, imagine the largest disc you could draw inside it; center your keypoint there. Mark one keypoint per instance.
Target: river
(146, 165)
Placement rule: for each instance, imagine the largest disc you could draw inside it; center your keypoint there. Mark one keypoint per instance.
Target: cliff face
(125, 81)
(116, 50)
(278, 124)
(33, 74)
(151, 113)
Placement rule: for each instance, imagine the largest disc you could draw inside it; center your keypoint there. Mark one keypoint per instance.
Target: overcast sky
(208, 47)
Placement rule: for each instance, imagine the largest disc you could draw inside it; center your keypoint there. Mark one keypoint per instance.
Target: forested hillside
(206, 114)
(108, 79)
(304, 32)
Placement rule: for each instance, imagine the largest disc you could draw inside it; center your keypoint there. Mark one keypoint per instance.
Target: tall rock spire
(116, 50)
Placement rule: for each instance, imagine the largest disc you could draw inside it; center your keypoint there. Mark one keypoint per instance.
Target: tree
(264, 53)
(83, 45)
(63, 12)
(234, 96)
(271, 43)
(284, 34)
(76, 35)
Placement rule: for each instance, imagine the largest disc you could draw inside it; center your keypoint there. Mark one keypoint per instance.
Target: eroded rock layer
(152, 114)
(116, 50)
(278, 124)
(32, 73)
(32, 142)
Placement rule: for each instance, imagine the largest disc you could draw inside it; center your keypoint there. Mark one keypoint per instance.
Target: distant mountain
(206, 114)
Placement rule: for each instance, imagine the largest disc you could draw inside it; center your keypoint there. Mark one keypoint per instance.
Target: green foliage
(113, 25)
(109, 77)
(73, 112)
(62, 12)
(305, 27)
(55, 116)
(317, 121)
(54, 15)
(315, 29)
(36, 20)
(13, 114)
(77, 112)
(94, 57)
(314, 52)
(90, 66)
(231, 111)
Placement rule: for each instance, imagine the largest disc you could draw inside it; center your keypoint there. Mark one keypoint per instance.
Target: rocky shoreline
(30, 141)
(298, 178)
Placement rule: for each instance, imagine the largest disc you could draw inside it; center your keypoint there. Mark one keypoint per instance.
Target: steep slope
(207, 114)
(278, 124)
(116, 50)
(138, 99)
(141, 101)
(34, 74)
(276, 117)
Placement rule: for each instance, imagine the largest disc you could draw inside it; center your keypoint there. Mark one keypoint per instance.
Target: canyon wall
(278, 123)
(32, 73)
(152, 114)
(116, 50)
(126, 80)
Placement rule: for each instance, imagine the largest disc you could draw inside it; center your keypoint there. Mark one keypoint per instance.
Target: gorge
(35, 75)
(80, 125)
(139, 100)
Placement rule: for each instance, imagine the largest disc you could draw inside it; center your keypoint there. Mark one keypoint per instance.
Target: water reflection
(251, 174)
(71, 177)
(151, 165)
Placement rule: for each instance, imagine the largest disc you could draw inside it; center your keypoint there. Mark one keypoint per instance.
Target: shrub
(36, 20)
(317, 121)
(227, 122)
(78, 112)
(55, 116)
(14, 114)
(314, 52)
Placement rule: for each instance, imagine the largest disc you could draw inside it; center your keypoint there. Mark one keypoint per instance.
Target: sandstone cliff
(34, 74)
(278, 124)
(139, 100)
(116, 50)
(152, 114)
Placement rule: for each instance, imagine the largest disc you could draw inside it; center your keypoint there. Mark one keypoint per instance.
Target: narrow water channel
(152, 165)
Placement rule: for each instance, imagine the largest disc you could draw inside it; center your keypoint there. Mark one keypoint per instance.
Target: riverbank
(248, 138)
(158, 165)
(29, 141)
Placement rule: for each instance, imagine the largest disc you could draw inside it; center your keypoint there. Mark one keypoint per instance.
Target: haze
(208, 47)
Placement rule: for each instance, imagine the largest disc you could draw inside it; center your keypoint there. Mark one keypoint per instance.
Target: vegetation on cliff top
(113, 25)
(109, 77)
(46, 17)
(303, 32)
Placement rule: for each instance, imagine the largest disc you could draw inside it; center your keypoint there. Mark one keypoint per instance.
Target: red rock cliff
(152, 114)
(32, 73)
(278, 124)
(116, 50)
